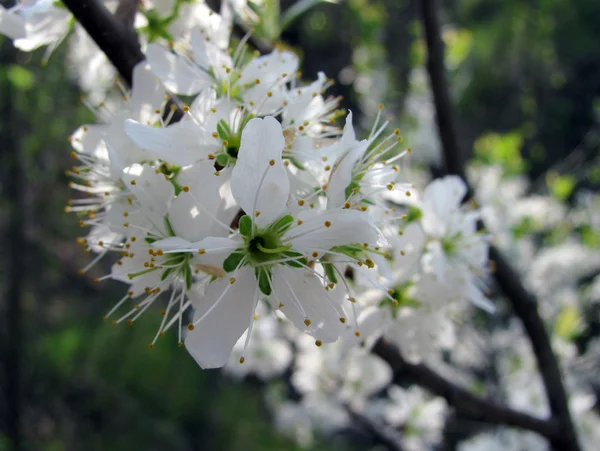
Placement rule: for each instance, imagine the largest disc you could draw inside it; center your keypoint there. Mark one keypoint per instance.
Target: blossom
(272, 255)
(455, 248)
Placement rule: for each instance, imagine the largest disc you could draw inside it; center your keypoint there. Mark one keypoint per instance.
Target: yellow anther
(232, 280)
(327, 224)
(319, 343)
(202, 251)
(191, 326)
(343, 320)
(272, 162)
(301, 202)
(185, 189)
(242, 359)
(307, 322)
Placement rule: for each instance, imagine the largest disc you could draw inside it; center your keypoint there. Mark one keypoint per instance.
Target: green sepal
(233, 261)
(350, 188)
(414, 214)
(246, 226)
(223, 130)
(282, 224)
(330, 272)
(263, 276)
(168, 227)
(222, 159)
(166, 273)
(300, 260)
(188, 277)
(149, 240)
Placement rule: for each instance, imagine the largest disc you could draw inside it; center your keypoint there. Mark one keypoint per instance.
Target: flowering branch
(110, 34)
(523, 302)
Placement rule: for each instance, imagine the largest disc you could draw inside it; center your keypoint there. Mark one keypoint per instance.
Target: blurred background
(525, 80)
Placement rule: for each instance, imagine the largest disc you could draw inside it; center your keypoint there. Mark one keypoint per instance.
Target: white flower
(157, 216)
(270, 254)
(455, 247)
(45, 24)
(259, 84)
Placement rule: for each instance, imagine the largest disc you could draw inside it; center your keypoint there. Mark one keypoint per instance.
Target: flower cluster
(252, 193)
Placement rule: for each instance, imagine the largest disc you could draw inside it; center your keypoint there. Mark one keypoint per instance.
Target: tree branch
(110, 34)
(462, 400)
(524, 304)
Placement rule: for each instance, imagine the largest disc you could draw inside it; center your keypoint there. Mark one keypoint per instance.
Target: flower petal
(211, 341)
(293, 286)
(331, 228)
(259, 181)
(177, 73)
(181, 143)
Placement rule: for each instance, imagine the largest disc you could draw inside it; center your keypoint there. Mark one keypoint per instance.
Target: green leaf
(246, 226)
(263, 276)
(20, 77)
(561, 186)
(232, 262)
(568, 324)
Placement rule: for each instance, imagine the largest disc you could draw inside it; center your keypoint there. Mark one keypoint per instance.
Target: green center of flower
(262, 249)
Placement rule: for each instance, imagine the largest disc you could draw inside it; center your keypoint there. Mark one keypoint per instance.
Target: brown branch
(524, 304)
(463, 401)
(112, 36)
(125, 13)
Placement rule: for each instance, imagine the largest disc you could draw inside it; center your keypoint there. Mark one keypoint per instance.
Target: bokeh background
(525, 80)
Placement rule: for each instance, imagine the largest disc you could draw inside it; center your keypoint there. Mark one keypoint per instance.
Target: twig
(112, 36)
(523, 303)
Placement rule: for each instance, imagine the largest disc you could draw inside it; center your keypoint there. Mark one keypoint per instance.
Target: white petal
(147, 93)
(11, 25)
(323, 312)
(259, 187)
(181, 143)
(153, 192)
(440, 199)
(346, 227)
(212, 340)
(178, 74)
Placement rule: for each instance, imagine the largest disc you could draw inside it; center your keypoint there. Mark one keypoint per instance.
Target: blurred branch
(523, 302)
(110, 34)
(460, 399)
(126, 11)
(382, 435)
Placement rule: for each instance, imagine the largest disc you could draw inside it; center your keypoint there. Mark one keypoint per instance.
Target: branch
(462, 400)
(382, 435)
(125, 13)
(523, 303)
(113, 37)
